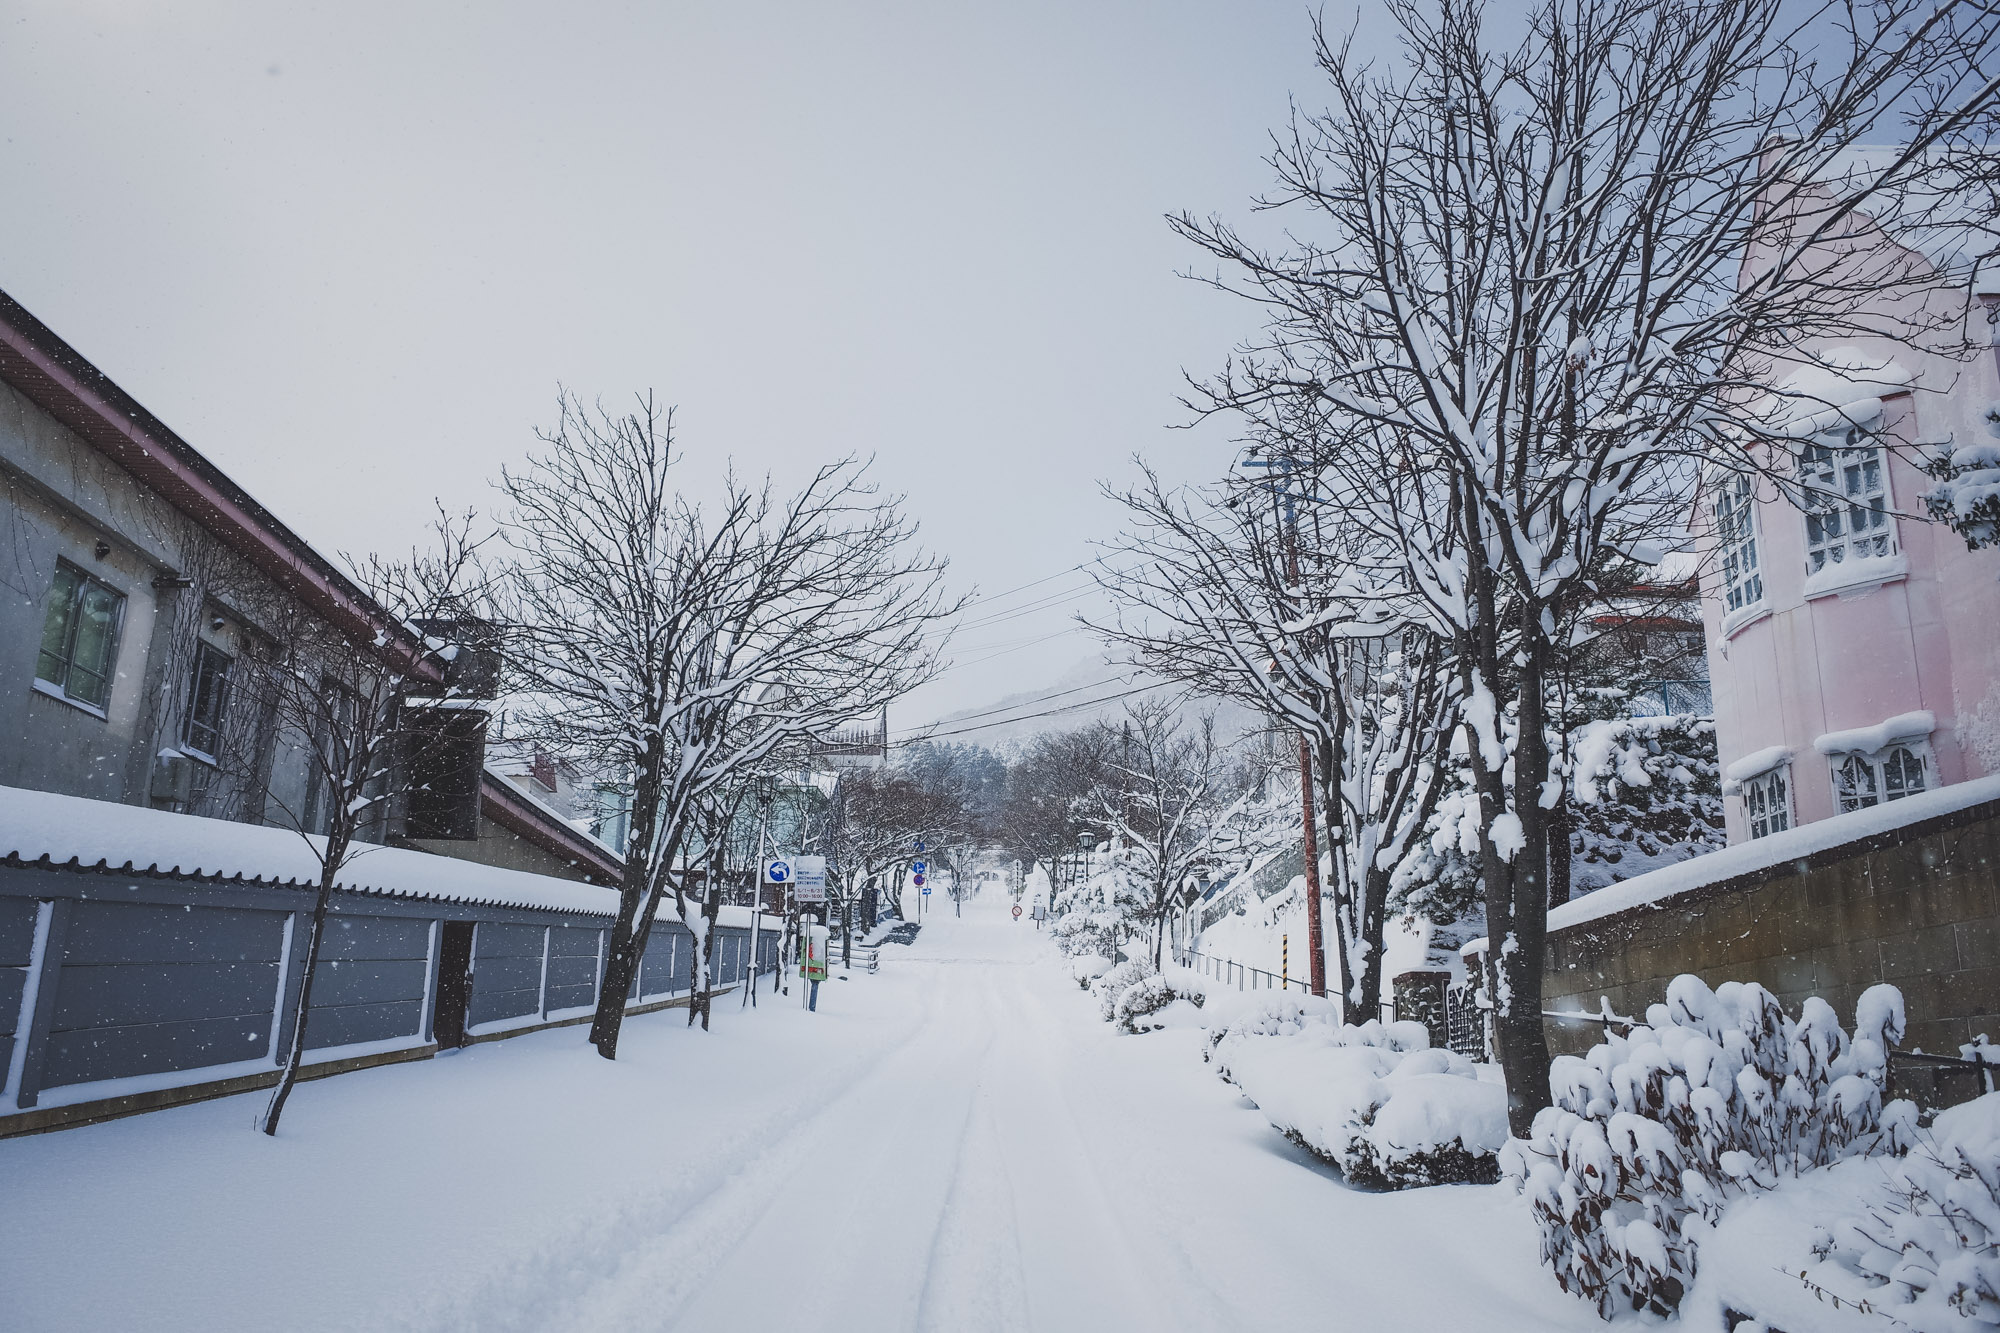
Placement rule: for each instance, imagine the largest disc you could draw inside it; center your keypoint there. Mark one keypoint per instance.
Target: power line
(1030, 717)
(1030, 703)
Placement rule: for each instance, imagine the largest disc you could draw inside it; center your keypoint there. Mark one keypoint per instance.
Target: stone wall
(1918, 906)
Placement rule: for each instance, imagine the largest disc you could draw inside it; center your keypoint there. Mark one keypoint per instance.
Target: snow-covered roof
(1657, 886)
(38, 825)
(65, 830)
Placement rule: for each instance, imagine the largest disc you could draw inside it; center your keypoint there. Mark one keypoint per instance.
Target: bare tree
(1054, 794)
(1516, 317)
(1319, 639)
(690, 643)
(345, 701)
(1164, 802)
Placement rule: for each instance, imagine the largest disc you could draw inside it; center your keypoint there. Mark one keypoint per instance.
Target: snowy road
(956, 1143)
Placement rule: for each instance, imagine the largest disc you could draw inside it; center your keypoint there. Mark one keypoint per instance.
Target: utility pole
(1315, 937)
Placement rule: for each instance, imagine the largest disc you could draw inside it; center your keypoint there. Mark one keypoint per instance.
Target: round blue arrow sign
(778, 871)
(918, 868)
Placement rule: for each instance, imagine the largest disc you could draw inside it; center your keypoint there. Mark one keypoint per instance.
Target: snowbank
(1376, 1101)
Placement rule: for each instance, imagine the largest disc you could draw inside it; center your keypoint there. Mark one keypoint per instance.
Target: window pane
(1902, 774)
(52, 663)
(207, 698)
(1854, 783)
(94, 645)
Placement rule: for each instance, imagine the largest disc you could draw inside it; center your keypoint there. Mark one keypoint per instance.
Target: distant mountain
(1096, 689)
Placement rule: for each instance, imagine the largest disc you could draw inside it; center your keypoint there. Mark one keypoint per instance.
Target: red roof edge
(513, 811)
(58, 379)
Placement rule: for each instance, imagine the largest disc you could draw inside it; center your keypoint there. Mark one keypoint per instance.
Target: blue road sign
(927, 890)
(919, 867)
(777, 871)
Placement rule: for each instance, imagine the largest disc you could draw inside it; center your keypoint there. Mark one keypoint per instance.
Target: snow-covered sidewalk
(955, 1143)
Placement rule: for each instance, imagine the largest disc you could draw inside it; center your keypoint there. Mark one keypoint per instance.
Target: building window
(1736, 530)
(1767, 802)
(208, 699)
(80, 637)
(1862, 780)
(1846, 502)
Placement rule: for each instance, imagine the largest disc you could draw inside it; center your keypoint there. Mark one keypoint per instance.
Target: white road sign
(809, 879)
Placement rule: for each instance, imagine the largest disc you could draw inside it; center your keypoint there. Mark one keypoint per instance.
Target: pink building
(1854, 645)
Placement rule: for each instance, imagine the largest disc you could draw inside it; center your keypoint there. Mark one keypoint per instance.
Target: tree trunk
(315, 933)
(1374, 920)
(1562, 822)
(628, 933)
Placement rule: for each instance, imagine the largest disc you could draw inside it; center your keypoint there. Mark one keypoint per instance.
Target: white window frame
(1737, 534)
(1873, 767)
(1825, 484)
(1767, 802)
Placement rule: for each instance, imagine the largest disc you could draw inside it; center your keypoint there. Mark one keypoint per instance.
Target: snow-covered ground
(955, 1143)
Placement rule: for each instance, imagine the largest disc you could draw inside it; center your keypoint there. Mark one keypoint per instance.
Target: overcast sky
(349, 251)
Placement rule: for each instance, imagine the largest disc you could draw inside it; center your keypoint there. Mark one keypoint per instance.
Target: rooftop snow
(1657, 886)
(72, 829)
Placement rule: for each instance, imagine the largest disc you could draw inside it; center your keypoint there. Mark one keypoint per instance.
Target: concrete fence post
(52, 932)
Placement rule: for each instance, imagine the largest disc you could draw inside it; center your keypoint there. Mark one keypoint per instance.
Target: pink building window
(1736, 532)
(1767, 802)
(1847, 503)
(1862, 780)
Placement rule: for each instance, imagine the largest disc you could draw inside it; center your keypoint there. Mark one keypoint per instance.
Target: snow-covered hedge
(1719, 1095)
(1141, 1007)
(1376, 1101)
(1110, 987)
(1913, 1241)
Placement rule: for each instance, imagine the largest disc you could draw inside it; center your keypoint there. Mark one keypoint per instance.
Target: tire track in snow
(974, 1278)
(813, 1213)
(535, 1292)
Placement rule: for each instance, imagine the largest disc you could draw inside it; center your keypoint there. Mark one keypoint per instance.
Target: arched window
(1736, 534)
(1846, 501)
(1902, 773)
(1854, 783)
(1861, 780)
(1767, 804)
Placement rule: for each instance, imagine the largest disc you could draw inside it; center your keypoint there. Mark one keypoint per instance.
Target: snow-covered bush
(1081, 933)
(1967, 495)
(1141, 1002)
(1717, 1095)
(1375, 1101)
(1925, 1241)
(1111, 987)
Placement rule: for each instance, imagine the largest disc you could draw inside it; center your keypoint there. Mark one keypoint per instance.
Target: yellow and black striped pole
(1285, 960)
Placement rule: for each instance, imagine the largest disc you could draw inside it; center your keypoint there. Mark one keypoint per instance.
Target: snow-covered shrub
(1086, 968)
(1718, 1095)
(1925, 1241)
(1375, 1101)
(1110, 987)
(1144, 999)
(1081, 933)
